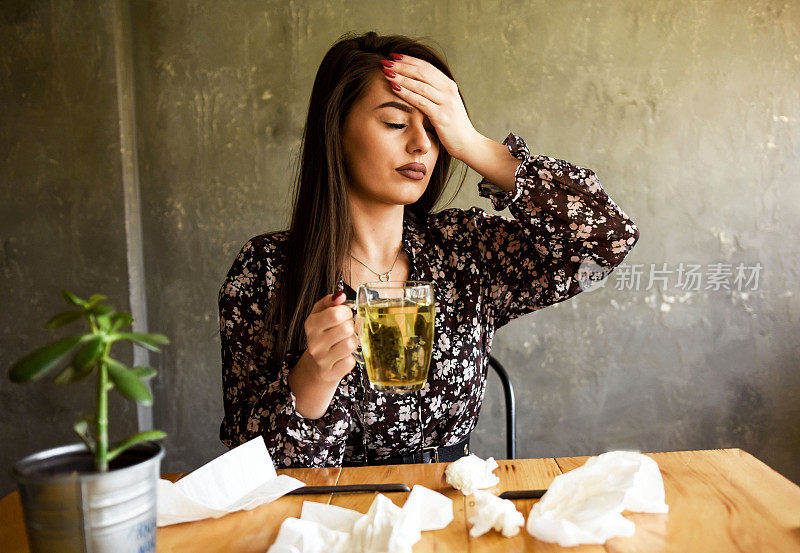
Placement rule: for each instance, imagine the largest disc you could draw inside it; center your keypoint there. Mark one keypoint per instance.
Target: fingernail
(387, 63)
(390, 74)
(337, 296)
(396, 57)
(396, 87)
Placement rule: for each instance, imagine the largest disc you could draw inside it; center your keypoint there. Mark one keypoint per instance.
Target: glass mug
(395, 328)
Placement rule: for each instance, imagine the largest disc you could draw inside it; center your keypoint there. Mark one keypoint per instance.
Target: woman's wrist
(312, 394)
(493, 161)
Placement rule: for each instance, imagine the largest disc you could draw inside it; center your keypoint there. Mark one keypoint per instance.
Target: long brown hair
(320, 231)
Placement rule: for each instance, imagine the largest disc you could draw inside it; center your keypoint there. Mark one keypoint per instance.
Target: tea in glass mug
(395, 325)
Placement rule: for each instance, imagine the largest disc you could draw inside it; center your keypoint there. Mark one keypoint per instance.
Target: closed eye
(403, 126)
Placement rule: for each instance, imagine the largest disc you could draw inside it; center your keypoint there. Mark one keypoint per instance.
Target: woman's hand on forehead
(425, 87)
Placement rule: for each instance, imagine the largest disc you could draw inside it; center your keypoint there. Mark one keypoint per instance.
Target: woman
(375, 159)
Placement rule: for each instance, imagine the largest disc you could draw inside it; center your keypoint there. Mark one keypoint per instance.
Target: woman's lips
(414, 171)
(415, 175)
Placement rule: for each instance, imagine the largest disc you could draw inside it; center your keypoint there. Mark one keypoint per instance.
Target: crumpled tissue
(242, 478)
(385, 528)
(471, 473)
(584, 505)
(493, 512)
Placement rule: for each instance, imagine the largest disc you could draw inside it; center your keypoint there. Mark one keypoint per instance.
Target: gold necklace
(383, 277)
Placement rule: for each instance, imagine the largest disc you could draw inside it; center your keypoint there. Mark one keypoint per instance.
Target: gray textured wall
(61, 208)
(688, 111)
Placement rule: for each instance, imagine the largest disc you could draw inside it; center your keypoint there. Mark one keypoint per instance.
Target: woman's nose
(419, 140)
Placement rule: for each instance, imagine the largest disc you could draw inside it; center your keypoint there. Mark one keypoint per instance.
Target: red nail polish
(387, 63)
(396, 87)
(390, 74)
(337, 296)
(396, 57)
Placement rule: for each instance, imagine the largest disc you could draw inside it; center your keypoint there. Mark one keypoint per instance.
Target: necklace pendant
(385, 276)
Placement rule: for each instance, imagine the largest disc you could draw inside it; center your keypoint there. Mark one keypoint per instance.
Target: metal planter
(70, 508)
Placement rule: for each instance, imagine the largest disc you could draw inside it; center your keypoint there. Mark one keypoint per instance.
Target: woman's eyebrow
(398, 105)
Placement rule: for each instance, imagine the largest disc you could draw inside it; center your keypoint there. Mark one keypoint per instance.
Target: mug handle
(358, 355)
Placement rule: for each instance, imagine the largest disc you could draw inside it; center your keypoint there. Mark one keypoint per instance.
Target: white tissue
(493, 512)
(471, 473)
(385, 528)
(584, 506)
(332, 517)
(310, 537)
(242, 478)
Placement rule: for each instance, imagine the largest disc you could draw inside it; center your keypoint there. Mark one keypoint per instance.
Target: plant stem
(101, 452)
(101, 414)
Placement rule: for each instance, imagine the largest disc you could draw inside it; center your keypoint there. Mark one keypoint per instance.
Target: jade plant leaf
(82, 429)
(149, 341)
(82, 364)
(103, 314)
(118, 320)
(41, 361)
(72, 298)
(128, 383)
(64, 318)
(70, 374)
(95, 299)
(136, 439)
(89, 353)
(144, 373)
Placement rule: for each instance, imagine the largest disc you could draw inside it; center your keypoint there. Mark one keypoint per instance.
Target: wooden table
(719, 500)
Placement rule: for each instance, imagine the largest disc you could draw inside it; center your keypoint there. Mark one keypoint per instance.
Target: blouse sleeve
(256, 393)
(566, 234)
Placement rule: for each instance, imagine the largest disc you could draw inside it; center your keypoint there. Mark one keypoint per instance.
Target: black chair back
(511, 408)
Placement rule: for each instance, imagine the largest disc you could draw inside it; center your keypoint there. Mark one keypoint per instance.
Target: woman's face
(381, 134)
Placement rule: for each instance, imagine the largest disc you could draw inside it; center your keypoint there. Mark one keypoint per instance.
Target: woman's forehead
(380, 97)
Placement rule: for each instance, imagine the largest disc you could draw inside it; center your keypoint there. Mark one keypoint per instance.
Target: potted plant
(92, 496)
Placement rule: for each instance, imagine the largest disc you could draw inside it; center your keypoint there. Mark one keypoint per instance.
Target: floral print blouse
(488, 269)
